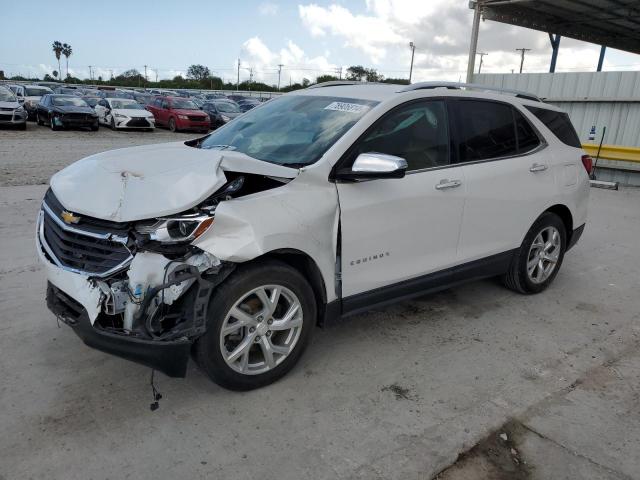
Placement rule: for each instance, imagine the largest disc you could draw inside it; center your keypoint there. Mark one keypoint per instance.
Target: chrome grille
(90, 252)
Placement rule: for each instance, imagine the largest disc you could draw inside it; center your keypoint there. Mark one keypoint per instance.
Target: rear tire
(239, 359)
(38, 120)
(539, 258)
(113, 123)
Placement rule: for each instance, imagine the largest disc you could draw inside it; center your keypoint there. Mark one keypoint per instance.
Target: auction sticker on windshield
(347, 107)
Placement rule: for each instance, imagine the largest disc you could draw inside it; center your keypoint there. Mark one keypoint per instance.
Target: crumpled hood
(150, 181)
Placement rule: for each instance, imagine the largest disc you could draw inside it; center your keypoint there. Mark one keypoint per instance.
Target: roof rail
(335, 83)
(469, 86)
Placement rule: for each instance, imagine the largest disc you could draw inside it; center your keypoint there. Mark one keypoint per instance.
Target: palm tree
(57, 49)
(67, 51)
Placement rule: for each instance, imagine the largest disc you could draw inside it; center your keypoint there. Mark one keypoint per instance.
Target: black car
(61, 111)
(221, 112)
(247, 104)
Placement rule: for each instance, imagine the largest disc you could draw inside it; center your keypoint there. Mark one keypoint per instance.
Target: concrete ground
(450, 384)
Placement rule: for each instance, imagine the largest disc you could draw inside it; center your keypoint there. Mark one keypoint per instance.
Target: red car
(179, 114)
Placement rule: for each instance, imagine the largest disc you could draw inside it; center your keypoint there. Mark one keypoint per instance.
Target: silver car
(11, 112)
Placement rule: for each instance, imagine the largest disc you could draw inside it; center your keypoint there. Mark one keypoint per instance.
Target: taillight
(587, 161)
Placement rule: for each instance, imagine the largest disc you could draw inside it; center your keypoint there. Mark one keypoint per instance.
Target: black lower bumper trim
(575, 236)
(168, 357)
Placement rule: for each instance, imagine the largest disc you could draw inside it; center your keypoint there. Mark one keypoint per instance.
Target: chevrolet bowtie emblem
(69, 217)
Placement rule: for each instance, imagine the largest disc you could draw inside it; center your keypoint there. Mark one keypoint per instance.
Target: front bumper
(191, 125)
(168, 357)
(75, 122)
(135, 123)
(13, 118)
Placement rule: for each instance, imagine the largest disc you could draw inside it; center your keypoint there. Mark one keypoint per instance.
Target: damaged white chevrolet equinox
(319, 204)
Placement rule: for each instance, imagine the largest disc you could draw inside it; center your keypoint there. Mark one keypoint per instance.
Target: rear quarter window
(559, 124)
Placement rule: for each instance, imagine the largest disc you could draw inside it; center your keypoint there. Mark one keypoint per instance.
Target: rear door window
(559, 124)
(484, 130)
(527, 138)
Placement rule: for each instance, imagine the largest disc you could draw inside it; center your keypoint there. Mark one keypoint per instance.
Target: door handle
(444, 184)
(537, 167)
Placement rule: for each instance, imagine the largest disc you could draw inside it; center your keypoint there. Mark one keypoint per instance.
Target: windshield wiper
(219, 147)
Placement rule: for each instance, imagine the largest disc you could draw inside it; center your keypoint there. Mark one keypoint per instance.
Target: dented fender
(301, 215)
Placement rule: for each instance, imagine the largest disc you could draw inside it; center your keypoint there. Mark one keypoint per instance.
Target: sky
(308, 38)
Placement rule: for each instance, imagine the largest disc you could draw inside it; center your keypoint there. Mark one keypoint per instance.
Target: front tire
(259, 323)
(52, 124)
(538, 260)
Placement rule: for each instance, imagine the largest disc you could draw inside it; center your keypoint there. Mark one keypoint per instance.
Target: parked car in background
(63, 111)
(120, 113)
(67, 91)
(11, 112)
(142, 98)
(247, 104)
(29, 96)
(221, 112)
(178, 113)
(91, 101)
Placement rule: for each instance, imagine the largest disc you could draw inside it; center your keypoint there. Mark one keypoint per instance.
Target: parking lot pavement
(30, 157)
(398, 392)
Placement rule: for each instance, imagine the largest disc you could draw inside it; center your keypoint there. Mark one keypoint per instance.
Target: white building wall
(610, 99)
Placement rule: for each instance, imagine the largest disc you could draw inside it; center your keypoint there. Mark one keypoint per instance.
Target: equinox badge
(69, 217)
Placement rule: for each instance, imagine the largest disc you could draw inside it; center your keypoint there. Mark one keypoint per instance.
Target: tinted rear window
(527, 137)
(484, 130)
(559, 124)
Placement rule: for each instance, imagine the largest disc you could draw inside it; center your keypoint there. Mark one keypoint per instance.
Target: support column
(603, 49)
(473, 47)
(555, 45)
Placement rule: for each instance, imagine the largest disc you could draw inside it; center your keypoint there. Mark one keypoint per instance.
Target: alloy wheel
(543, 255)
(261, 329)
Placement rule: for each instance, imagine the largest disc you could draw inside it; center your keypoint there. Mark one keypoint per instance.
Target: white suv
(319, 204)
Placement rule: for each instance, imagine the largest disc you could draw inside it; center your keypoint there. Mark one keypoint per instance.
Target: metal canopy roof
(613, 23)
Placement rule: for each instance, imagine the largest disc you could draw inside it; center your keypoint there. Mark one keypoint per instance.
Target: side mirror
(369, 166)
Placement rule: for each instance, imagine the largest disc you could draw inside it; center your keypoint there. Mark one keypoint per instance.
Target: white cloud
(296, 64)
(268, 9)
(440, 29)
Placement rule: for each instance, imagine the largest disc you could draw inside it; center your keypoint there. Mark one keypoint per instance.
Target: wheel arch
(565, 215)
(309, 269)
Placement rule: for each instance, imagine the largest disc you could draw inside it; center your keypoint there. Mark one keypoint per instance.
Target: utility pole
(250, 77)
(339, 72)
(473, 46)
(156, 75)
(279, 72)
(90, 74)
(110, 74)
(238, 82)
(482, 54)
(523, 51)
(145, 77)
(413, 50)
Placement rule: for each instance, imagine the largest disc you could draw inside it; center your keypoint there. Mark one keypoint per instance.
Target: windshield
(128, 104)
(92, 101)
(227, 107)
(36, 92)
(7, 95)
(292, 130)
(183, 104)
(69, 102)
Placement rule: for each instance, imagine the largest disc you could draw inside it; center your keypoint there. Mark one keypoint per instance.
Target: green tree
(326, 78)
(57, 50)
(359, 73)
(198, 72)
(55, 74)
(67, 51)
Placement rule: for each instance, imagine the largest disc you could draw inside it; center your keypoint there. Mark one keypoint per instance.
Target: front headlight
(19, 110)
(177, 229)
(183, 117)
(119, 115)
(225, 118)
